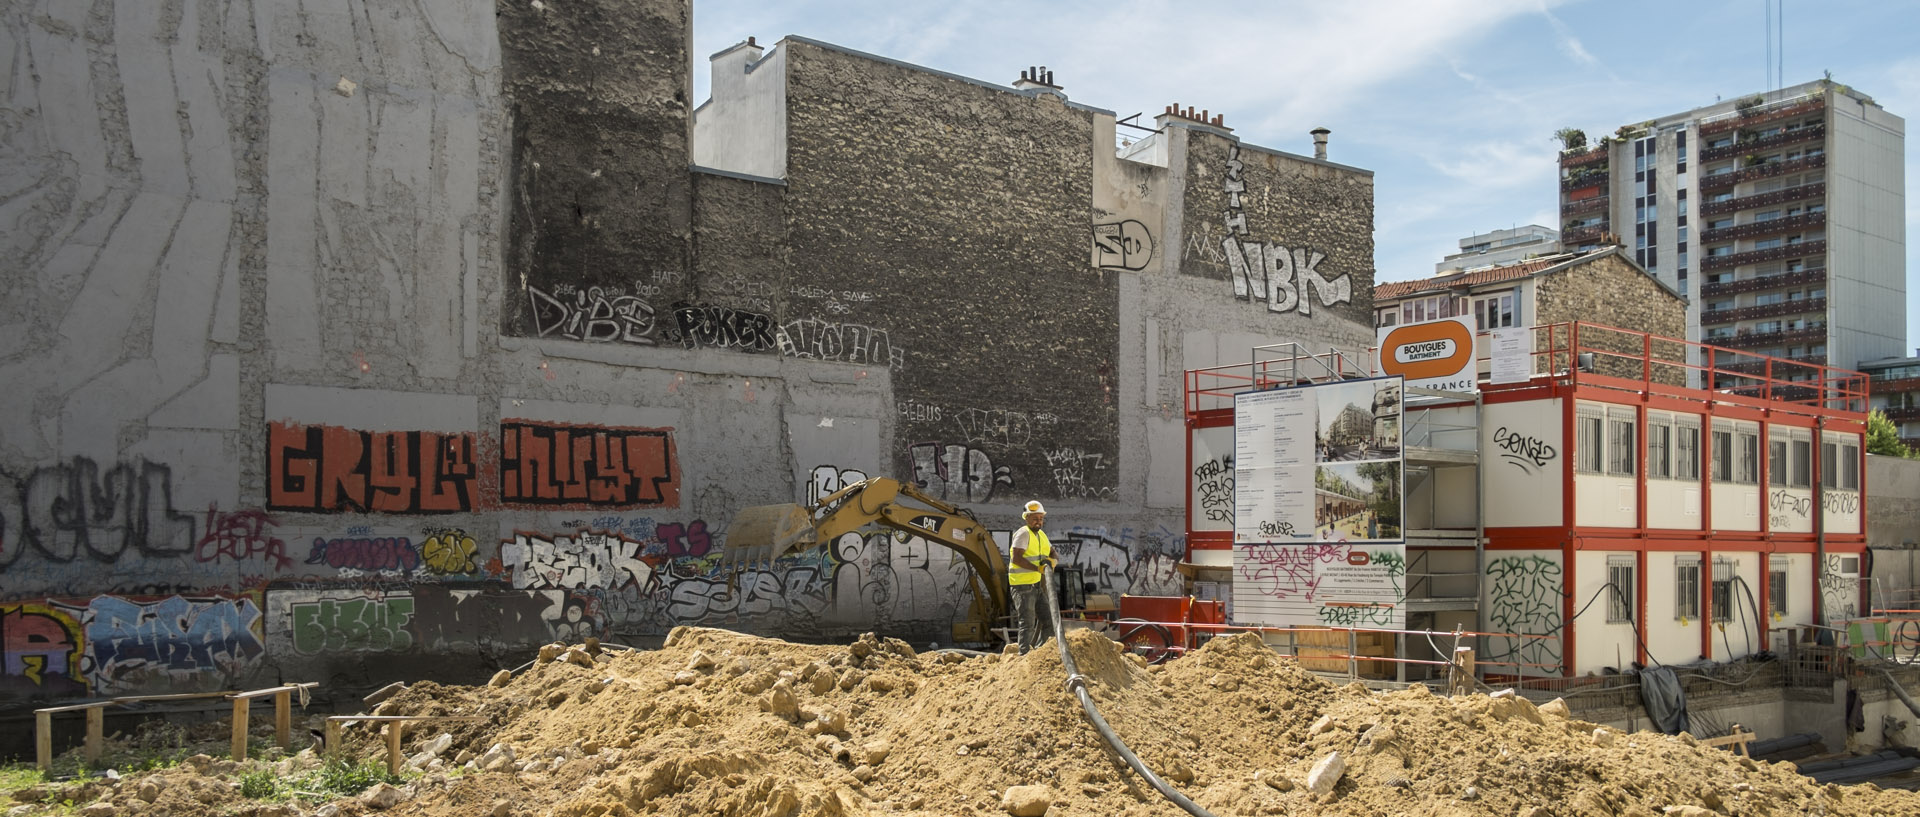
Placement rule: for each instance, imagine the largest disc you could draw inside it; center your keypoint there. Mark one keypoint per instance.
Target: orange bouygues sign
(1431, 355)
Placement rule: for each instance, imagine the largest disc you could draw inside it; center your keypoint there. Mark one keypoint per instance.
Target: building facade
(1779, 216)
(1501, 247)
(336, 358)
(1895, 383)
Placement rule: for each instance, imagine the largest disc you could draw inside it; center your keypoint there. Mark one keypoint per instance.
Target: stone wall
(1611, 291)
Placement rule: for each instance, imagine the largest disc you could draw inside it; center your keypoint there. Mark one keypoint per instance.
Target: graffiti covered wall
(327, 350)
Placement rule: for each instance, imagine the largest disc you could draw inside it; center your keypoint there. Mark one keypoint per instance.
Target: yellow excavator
(763, 533)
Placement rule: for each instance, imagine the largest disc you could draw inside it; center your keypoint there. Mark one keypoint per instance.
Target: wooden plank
(75, 707)
(358, 718)
(181, 696)
(240, 710)
(96, 726)
(332, 739)
(43, 740)
(283, 718)
(279, 690)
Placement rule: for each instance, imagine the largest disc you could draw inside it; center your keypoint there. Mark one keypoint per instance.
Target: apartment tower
(1779, 216)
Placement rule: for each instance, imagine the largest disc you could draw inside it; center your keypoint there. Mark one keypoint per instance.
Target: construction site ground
(719, 723)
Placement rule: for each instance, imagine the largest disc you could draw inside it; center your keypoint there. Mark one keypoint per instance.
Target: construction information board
(1318, 506)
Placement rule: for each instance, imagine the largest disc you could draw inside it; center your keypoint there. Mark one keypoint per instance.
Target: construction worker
(1031, 552)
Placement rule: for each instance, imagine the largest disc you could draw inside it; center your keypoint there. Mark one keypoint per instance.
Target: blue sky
(1451, 103)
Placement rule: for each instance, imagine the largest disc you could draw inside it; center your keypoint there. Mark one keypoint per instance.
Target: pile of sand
(717, 723)
(725, 724)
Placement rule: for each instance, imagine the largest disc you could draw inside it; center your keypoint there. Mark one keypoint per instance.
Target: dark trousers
(1030, 615)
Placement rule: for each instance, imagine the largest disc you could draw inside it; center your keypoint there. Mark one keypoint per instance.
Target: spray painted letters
(847, 342)
(1124, 245)
(593, 315)
(72, 511)
(167, 643)
(328, 469)
(957, 473)
(584, 560)
(1280, 276)
(559, 466)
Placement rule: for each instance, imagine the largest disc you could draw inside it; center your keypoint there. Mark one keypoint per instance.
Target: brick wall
(1611, 291)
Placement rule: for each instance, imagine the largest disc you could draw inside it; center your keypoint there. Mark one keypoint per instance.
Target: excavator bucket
(766, 532)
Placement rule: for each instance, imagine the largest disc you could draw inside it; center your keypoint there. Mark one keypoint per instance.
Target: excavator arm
(761, 534)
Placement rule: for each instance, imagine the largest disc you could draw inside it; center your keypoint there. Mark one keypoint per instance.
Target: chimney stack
(1320, 142)
(1036, 76)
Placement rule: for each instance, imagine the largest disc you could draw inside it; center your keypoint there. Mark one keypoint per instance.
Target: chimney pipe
(1320, 142)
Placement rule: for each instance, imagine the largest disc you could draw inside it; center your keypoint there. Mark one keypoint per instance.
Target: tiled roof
(1463, 280)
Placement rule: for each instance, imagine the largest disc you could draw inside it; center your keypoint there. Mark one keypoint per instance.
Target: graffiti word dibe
(565, 466)
(592, 315)
(1519, 449)
(329, 469)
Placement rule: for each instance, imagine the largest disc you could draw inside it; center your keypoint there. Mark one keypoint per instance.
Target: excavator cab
(761, 534)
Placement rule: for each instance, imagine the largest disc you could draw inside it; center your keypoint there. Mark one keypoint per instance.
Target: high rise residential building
(1780, 216)
(1501, 247)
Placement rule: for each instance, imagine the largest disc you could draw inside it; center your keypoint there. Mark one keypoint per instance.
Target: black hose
(1077, 684)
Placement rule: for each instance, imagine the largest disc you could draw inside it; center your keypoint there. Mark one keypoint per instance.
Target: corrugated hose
(1077, 684)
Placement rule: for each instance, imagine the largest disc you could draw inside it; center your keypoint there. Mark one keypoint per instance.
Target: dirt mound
(717, 723)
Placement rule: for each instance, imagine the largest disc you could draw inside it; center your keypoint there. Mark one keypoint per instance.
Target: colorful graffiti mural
(561, 466)
(327, 469)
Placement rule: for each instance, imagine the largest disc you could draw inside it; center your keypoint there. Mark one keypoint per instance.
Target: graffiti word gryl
(1267, 272)
(1520, 449)
(326, 469)
(72, 510)
(696, 325)
(360, 624)
(132, 643)
(585, 560)
(847, 342)
(587, 466)
(1124, 245)
(957, 473)
(1213, 489)
(593, 315)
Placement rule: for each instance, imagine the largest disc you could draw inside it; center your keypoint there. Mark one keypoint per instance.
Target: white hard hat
(1035, 507)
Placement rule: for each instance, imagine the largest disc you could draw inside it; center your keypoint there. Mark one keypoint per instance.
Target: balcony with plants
(1756, 170)
(1772, 310)
(1796, 250)
(1750, 142)
(1753, 112)
(1815, 190)
(1775, 226)
(1748, 339)
(1805, 277)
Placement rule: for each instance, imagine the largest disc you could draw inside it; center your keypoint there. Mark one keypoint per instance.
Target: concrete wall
(352, 352)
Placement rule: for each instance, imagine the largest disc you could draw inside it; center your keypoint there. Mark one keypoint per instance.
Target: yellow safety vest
(1037, 548)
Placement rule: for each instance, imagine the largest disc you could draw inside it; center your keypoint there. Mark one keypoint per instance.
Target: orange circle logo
(1426, 350)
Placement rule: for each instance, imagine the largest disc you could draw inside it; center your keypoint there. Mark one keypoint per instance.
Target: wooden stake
(283, 719)
(43, 740)
(240, 712)
(1460, 675)
(96, 724)
(393, 747)
(332, 747)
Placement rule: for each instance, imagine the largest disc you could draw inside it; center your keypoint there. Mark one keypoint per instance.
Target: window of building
(1621, 442)
(1621, 589)
(1722, 452)
(1659, 446)
(1686, 448)
(1387, 317)
(1587, 453)
(1799, 474)
(1746, 449)
(1722, 590)
(1496, 310)
(1849, 466)
(1777, 590)
(1686, 587)
(1777, 461)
